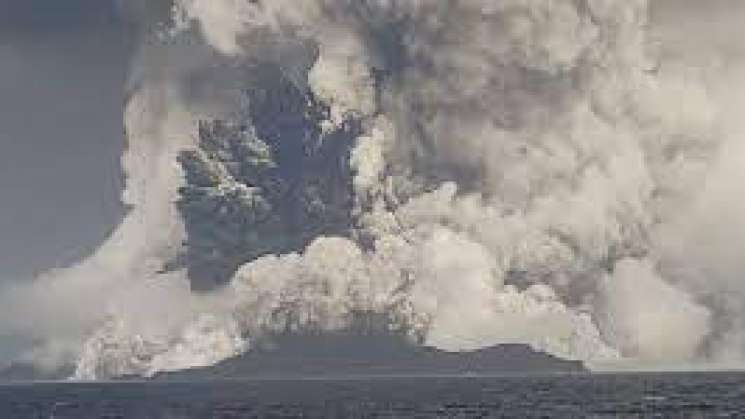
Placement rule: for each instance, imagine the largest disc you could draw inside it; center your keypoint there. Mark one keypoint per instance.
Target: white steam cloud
(529, 171)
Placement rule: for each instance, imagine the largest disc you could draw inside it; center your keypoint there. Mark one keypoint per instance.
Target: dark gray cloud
(64, 65)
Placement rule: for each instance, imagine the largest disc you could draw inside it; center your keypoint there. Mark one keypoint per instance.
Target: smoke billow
(479, 172)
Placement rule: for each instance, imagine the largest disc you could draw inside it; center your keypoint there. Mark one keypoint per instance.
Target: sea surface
(618, 395)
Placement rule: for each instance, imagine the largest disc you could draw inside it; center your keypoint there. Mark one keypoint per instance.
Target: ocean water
(620, 395)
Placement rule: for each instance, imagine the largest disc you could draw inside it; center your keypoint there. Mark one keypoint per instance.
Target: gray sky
(62, 68)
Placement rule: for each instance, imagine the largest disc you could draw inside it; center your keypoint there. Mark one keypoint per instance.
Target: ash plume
(478, 172)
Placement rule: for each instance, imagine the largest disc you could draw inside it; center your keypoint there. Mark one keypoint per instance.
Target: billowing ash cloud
(478, 172)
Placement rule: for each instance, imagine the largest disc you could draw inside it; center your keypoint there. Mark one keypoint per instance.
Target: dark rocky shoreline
(340, 355)
(345, 355)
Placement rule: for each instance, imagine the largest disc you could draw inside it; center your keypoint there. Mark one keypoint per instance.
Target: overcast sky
(63, 64)
(62, 67)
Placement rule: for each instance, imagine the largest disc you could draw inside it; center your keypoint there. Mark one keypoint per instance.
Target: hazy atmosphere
(577, 166)
(64, 66)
